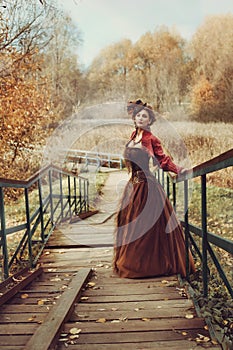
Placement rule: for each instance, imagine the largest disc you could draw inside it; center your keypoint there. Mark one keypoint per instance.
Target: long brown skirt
(149, 240)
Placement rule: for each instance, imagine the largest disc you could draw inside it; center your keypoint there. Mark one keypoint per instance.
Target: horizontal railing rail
(93, 157)
(169, 183)
(57, 195)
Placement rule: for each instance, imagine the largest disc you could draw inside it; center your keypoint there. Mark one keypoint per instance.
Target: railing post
(75, 195)
(61, 195)
(168, 186)
(204, 236)
(80, 194)
(41, 210)
(3, 236)
(27, 208)
(163, 179)
(186, 220)
(120, 163)
(51, 196)
(174, 195)
(69, 195)
(87, 207)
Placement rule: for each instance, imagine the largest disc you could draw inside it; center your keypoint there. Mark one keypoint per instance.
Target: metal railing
(206, 252)
(48, 197)
(94, 158)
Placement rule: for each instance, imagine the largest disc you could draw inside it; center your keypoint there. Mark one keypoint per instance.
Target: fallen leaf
(84, 298)
(101, 320)
(114, 308)
(91, 284)
(189, 316)
(145, 319)
(115, 321)
(24, 296)
(184, 333)
(74, 336)
(74, 330)
(56, 279)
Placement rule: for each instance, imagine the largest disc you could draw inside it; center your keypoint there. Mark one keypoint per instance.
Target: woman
(149, 240)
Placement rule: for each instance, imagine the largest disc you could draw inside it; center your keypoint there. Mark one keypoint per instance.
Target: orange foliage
(25, 112)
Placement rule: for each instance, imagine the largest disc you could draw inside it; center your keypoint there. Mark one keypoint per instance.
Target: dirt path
(112, 191)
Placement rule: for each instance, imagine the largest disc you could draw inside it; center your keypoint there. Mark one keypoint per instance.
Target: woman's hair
(147, 108)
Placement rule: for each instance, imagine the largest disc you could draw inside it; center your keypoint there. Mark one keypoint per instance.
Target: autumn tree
(27, 109)
(108, 73)
(158, 62)
(61, 64)
(212, 50)
(154, 68)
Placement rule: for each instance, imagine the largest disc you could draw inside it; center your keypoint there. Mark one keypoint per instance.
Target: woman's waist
(140, 175)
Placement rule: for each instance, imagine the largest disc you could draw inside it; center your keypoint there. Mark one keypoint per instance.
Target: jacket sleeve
(164, 160)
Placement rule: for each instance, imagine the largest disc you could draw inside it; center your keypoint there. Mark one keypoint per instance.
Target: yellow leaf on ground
(189, 316)
(74, 336)
(91, 284)
(24, 296)
(56, 279)
(164, 281)
(74, 330)
(101, 320)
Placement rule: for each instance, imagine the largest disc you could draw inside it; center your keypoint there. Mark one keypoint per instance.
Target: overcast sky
(104, 22)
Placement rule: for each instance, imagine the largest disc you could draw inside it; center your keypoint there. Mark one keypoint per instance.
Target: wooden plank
(129, 314)
(19, 340)
(135, 337)
(23, 317)
(158, 345)
(24, 308)
(132, 297)
(131, 305)
(47, 334)
(123, 326)
(101, 290)
(17, 328)
(8, 294)
(16, 347)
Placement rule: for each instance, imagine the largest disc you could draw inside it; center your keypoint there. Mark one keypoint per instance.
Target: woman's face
(142, 119)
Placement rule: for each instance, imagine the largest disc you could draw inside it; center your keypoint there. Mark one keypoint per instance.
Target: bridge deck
(111, 313)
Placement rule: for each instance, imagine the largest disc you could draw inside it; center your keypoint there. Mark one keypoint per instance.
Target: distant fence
(99, 159)
(206, 252)
(47, 198)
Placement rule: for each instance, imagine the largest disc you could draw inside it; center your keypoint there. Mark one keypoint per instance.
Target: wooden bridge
(72, 299)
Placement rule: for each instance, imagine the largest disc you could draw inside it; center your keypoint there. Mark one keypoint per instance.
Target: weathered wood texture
(113, 313)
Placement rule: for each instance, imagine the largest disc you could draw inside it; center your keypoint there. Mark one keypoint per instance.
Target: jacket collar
(145, 133)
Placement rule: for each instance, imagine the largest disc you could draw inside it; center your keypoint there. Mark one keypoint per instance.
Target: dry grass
(189, 143)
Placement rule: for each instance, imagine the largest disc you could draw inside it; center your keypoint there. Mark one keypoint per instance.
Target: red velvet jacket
(155, 150)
